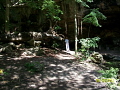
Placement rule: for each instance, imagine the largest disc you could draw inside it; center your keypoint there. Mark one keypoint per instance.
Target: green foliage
(112, 64)
(3, 73)
(93, 17)
(84, 2)
(34, 66)
(88, 43)
(112, 73)
(55, 45)
(52, 10)
(57, 27)
(79, 1)
(32, 3)
(39, 52)
(89, 0)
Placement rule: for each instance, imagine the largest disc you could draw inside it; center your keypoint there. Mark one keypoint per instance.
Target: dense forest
(58, 18)
(33, 48)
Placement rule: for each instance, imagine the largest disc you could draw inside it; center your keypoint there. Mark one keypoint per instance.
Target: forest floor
(62, 72)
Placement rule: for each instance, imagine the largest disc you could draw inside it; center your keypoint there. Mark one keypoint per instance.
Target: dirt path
(62, 72)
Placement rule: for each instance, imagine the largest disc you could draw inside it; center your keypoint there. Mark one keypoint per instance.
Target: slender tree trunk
(75, 35)
(81, 27)
(89, 31)
(7, 17)
(65, 14)
(76, 31)
(66, 27)
(51, 27)
(82, 8)
(78, 24)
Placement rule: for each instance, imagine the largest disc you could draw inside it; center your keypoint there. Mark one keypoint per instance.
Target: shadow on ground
(58, 74)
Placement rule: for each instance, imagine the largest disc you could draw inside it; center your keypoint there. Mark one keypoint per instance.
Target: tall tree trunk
(64, 7)
(51, 27)
(75, 35)
(81, 26)
(7, 17)
(75, 31)
(66, 27)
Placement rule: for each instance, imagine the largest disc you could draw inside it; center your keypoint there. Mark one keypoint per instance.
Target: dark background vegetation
(29, 17)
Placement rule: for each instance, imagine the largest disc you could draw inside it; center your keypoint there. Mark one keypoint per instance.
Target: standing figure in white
(67, 45)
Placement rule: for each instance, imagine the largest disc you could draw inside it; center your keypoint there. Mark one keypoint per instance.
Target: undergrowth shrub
(34, 66)
(110, 77)
(86, 44)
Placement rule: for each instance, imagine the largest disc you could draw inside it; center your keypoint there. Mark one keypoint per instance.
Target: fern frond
(99, 15)
(85, 4)
(90, 1)
(93, 17)
(79, 1)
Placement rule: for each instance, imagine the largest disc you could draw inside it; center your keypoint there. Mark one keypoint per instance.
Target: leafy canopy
(93, 17)
(84, 2)
(52, 9)
(32, 3)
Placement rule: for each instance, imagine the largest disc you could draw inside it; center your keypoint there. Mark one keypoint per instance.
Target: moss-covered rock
(96, 57)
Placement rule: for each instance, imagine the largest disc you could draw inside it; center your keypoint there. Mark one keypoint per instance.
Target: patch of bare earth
(62, 72)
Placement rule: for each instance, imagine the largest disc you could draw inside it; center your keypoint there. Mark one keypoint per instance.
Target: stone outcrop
(96, 57)
(31, 38)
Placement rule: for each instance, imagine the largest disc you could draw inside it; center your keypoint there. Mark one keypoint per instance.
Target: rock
(117, 58)
(28, 53)
(111, 57)
(97, 57)
(12, 45)
(31, 38)
(37, 43)
(108, 56)
(6, 48)
(1, 48)
(32, 42)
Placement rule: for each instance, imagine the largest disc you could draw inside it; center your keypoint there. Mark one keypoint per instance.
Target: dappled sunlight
(63, 56)
(61, 72)
(66, 55)
(1, 55)
(69, 52)
(22, 57)
(17, 38)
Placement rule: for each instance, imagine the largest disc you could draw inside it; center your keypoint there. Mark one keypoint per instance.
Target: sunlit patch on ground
(61, 72)
(63, 56)
(66, 55)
